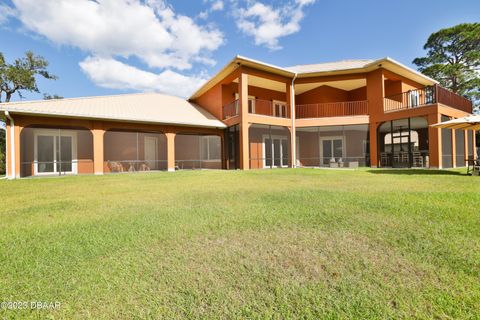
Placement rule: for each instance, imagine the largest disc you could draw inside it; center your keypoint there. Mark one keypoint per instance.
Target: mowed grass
(279, 244)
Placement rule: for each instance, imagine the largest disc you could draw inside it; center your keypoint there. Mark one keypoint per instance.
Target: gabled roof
(321, 69)
(330, 66)
(139, 107)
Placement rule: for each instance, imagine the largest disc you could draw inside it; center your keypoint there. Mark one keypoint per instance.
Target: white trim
(55, 133)
(281, 138)
(283, 108)
(331, 138)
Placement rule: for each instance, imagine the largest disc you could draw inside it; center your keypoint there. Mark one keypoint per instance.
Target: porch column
(434, 141)
(465, 143)
(12, 164)
(373, 145)
(290, 95)
(375, 96)
(454, 148)
(474, 144)
(244, 139)
(170, 151)
(18, 130)
(98, 134)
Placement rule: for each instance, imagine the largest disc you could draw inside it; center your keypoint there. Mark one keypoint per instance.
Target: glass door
(55, 152)
(45, 154)
(331, 150)
(275, 151)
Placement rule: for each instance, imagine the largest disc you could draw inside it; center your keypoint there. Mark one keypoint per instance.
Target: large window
(333, 146)
(403, 143)
(53, 151)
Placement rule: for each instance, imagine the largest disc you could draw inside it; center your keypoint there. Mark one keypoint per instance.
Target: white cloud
(267, 24)
(6, 13)
(113, 74)
(148, 30)
(217, 5)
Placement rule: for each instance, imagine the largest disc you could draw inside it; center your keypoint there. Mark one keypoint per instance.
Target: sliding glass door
(331, 149)
(54, 152)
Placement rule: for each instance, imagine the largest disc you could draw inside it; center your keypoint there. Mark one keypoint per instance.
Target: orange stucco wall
(322, 94)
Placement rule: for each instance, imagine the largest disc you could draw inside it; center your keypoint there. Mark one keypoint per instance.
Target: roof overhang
(386, 63)
(219, 125)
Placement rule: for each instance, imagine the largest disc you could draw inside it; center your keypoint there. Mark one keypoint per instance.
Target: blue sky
(121, 46)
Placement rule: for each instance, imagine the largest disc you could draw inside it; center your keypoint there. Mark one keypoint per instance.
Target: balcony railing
(268, 108)
(231, 110)
(331, 109)
(426, 96)
(259, 107)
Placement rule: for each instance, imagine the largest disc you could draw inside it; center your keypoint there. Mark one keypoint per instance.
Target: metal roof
(330, 66)
(139, 107)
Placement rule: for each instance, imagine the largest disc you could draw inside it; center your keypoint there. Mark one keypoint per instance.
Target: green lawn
(231, 244)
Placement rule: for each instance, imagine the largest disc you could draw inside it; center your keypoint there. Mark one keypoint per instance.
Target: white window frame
(55, 133)
(266, 136)
(331, 138)
(250, 98)
(414, 98)
(282, 111)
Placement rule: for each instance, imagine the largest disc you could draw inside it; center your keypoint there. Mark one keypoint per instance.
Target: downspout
(293, 135)
(12, 145)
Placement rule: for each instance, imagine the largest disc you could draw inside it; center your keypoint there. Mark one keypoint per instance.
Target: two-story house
(249, 115)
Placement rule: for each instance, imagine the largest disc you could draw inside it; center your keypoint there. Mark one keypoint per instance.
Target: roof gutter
(12, 146)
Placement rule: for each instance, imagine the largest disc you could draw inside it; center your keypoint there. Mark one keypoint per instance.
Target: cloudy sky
(117, 46)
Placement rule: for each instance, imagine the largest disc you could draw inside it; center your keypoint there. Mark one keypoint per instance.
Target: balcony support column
(373, 145)
(290, 95)
(434, 141)
(244, 138)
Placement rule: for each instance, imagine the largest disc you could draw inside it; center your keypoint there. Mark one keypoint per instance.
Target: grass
(260, 244)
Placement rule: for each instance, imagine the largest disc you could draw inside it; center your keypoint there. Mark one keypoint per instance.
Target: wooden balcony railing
(259, 107)
(426, 96)
(453, 100)
(268, 108)
(231, 110)
(331, 109)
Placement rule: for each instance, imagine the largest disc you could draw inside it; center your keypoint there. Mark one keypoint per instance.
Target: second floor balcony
(269, 108)
(425, 97)
(331, 109)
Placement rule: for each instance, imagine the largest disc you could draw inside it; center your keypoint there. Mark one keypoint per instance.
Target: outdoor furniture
(473, 166)
(417, 159)
(352, 164)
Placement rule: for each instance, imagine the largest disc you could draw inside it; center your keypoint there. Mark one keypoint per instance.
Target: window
(414, 98)
(210, 148)
(251, 103)
(279, 109)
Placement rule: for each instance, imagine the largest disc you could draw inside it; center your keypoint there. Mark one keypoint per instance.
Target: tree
(47, 96)
(22, 74)
(453, 58)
